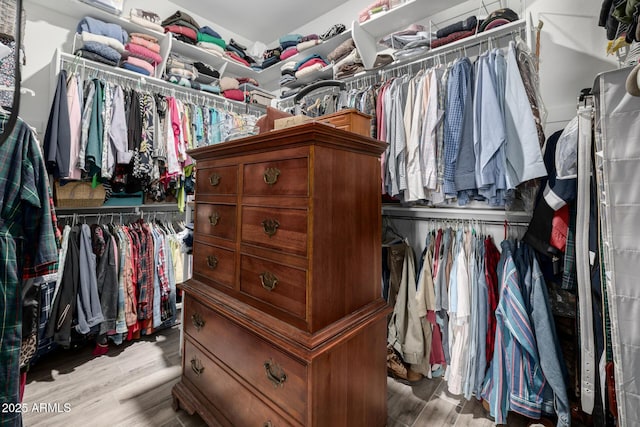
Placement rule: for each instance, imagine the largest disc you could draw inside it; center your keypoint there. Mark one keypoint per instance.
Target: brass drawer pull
(214, 179)
(270, 226)
(267, 424)
(198, 321)
(271, 175)
(212, 261)
(196, 366)
(275, 374)
(269, 280)
(214, 218)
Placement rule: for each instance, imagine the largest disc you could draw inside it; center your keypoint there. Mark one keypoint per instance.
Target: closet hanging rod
(497, 216)
(117, 75)
(450, 219)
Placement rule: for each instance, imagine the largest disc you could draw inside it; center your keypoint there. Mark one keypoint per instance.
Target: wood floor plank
(131, 386)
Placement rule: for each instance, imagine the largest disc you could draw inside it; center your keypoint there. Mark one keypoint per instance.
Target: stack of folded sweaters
(143, 54)
(182, 27)
(238, 53)
(230, 88)
(195, 75)
(101, 41)
(346, 59)
(306, 66)
(209, 40)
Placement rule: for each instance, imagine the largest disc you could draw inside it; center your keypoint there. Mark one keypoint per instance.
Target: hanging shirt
(75, 126)
(523, 155)
(57, 149)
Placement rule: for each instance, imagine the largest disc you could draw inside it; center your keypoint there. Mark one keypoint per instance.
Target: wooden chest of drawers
(284, 320)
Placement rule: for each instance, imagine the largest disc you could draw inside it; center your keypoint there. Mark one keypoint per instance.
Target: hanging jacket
(405, 329)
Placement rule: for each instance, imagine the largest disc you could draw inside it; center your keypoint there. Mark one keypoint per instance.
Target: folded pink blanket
(143, 53)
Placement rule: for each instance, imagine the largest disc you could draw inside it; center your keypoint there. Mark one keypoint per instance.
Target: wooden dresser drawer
(212, 263)
(217, 180)
(281, 229)
(283, 287)
(277, 178)
(238, 404)
(280, 378)
(216, 220)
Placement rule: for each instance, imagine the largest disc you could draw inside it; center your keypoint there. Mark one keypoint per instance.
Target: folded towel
(102, 28)
(185, 31)
(143, 53)
(94, 57)
(288, 53)
(306, 45)
(211, 48)
(141, 63)
(131, 67)
(227, 83)
(210, 31)
(102, 50)
(109, 41)
(202, 37)
(147, 24)
(235, 94)
(146, 43)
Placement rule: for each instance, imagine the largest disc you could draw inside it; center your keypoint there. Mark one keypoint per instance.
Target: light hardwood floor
(131, 386)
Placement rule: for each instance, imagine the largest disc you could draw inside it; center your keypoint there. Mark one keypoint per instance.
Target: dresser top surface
(307, 134)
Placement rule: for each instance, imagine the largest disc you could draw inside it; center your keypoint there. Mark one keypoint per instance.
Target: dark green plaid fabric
(27, 243)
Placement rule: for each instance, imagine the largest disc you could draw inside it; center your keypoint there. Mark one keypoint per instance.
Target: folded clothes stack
(376, 7)
(349, 65)
(211, 41)
(333, 31)
(288, 73)
(309, 65)
(182, 27)
(101, 41)
(143, 54)
(342, 50)
(304, 45)
(147, 19)
(238, 53)
(471, 25)
(230, 89)
(400, 39)
(206, 73)
(270, 57)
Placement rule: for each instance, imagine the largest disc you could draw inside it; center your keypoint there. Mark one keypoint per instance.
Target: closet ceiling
(262, 20)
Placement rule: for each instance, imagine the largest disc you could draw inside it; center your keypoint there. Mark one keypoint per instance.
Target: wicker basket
(77, 194)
